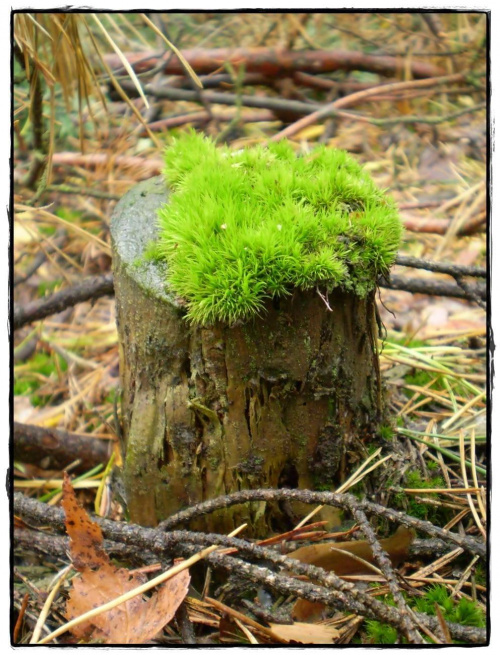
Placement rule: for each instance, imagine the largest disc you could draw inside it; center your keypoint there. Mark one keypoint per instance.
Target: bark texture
(282, 401)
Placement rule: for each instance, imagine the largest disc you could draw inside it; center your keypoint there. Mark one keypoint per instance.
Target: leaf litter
(136, 621)
(78, 399)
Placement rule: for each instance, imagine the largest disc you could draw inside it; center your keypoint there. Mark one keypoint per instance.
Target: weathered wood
(283, 400)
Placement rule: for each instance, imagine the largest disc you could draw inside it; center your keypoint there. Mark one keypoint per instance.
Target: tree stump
(284, 400)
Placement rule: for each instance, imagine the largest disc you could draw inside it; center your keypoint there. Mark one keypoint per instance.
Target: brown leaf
(135, 621)
(335, 557)
(94, 588)
(85, 535)
(307, 611)
(305, 633)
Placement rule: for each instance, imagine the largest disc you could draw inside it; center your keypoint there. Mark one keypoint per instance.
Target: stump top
(133, 228)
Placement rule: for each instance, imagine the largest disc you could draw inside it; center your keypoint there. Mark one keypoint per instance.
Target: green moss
(421, 378)
(464, 612)
(386, 432)
(380, 633)
(244, 226)
(414, 507)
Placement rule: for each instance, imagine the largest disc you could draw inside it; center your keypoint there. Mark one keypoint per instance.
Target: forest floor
(426, 143)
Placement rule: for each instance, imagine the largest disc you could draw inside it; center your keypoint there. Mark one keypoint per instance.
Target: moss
(464, 612)
(412, 505)
(420, 378)
(386, 432)
(244, 226)
(380, 633)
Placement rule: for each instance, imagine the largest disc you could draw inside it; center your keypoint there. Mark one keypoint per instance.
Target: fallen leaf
(85, 536)
(307, 611)
(305, 633)
(336, 557)
(354, 557)
(135, 621)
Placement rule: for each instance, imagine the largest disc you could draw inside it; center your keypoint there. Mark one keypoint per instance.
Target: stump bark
(285, 400)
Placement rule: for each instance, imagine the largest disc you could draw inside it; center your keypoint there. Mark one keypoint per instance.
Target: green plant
(30, 376)
(48, 286)
(380, 633)
(386, 432)
(421, 378)
(465, 611)
(412, 505)
(253, 224)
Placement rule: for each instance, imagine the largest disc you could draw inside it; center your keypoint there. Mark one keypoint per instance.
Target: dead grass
(434, 358)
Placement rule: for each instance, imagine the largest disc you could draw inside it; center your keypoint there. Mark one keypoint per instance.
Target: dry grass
(434, 358)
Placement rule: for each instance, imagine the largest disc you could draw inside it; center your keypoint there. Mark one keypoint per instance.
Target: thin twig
(434, 287)
(90, 289)
(359, 96)
(57, 241)
(384, 562)
(338, 593)
(456, 270)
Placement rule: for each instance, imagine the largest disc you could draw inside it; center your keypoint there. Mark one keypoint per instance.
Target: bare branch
(91, 288)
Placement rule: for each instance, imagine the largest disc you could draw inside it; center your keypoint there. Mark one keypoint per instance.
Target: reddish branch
(362, 96)
(204, 116)
(273, 62)
(150, 166)
(441, 225)
(56, 449)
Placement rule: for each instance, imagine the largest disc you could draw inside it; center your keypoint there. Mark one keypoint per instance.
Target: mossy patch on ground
(253, 224)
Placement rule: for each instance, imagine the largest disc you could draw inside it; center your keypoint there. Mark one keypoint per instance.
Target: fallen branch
(430, 225)
(58, 546)
(274, 62)
(90, 289)
(343, 501)
(455, 270)
(150, 166)
(55, 449)
(217, 97)
(361, 96)
(335, 592)
(95, 287)
(313, 111)
(474, 293)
